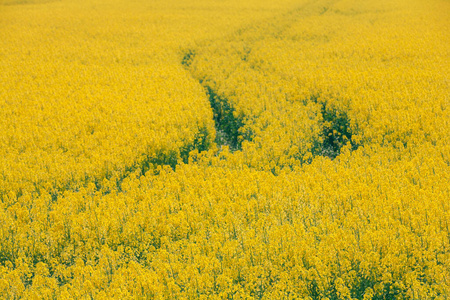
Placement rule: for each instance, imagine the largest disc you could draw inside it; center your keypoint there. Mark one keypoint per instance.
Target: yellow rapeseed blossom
(224, 149)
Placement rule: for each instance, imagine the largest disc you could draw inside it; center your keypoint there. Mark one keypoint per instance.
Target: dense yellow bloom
(326, 175)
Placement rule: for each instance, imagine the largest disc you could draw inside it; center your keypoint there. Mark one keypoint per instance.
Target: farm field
(224, 149)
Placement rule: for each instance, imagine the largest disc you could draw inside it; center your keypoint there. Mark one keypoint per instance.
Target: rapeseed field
(224, 149)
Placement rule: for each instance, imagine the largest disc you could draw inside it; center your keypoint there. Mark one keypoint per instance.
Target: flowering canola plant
(224, 149)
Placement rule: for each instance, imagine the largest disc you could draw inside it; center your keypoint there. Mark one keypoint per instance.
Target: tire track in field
(229, 123)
